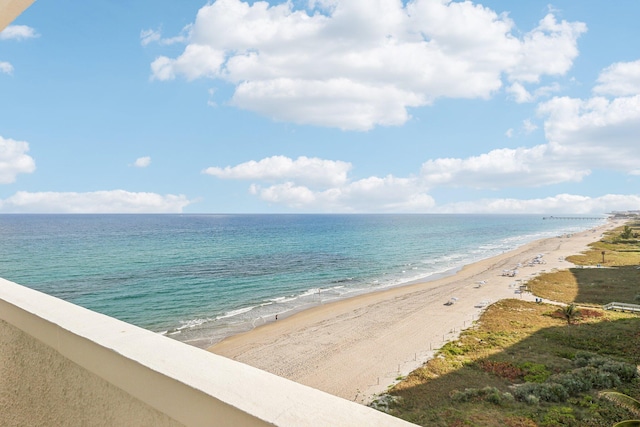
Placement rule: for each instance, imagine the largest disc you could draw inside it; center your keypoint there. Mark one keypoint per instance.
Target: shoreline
(357, 347)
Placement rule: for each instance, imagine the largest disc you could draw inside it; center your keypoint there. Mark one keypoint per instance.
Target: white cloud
(544, 91)
(549, 49)
(18, 32)
(317, 185)
(14, 160)
(6, 67)
(196, 61)
(502, 168)
(528, 126)
(15, 32)
(509, 133)
(595, 132)
(155, 36)
(358, 64)
(211, 101)
(619, 79)
(149, 36)
(561, 203)
(115, 201)
(309, 171)
(341, 103)
(582, 136)
(521, 95)
(389, 194)
(142, 162)
(394, 194)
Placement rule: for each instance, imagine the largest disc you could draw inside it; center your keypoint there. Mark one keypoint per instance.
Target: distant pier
(572, 217)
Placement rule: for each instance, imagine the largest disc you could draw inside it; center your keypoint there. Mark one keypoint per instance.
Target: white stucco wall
(61, 364)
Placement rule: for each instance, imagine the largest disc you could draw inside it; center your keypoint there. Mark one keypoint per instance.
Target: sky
(321, 106)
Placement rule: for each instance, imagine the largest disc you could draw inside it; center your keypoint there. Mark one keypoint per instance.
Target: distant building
(626, 214)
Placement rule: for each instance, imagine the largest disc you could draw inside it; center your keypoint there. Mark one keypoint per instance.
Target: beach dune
(356, 348)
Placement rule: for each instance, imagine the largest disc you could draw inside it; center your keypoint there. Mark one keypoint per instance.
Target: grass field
(523, 364)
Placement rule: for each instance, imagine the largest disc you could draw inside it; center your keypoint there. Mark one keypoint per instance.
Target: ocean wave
(234, 313)
(154, 271)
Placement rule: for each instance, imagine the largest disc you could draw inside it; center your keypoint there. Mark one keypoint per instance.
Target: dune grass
(523, 365)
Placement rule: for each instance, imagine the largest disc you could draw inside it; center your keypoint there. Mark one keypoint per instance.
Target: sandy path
(356, 348)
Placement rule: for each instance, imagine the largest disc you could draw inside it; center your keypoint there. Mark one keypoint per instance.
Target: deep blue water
(199, 278)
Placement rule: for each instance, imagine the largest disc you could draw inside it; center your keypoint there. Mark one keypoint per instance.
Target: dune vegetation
(536, 364)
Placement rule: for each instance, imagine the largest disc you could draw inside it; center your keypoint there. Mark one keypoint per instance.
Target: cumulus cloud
(115, 201)
(575, 204)
(582, 135)
(619, 79)
(395, 194)
(142, 162)
(358, 64)
(502, 168)
(318, 185)
(196, 61)
(389, 194)
(18, 32)
(313, 171)
(14, 160)
(6, 67)
(549, 49)
(598, 132)
(521, 95)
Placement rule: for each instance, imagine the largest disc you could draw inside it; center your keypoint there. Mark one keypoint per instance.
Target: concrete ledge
(187, 384)
(10, 9)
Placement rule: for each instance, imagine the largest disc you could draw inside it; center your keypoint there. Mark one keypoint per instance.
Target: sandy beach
(357, 347)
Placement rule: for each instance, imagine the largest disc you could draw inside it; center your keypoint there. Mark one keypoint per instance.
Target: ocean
(201, 278)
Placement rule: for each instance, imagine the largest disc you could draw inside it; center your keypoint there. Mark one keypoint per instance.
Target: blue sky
(323, 106)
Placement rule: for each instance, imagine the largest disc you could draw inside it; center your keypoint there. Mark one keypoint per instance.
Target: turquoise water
(199, 278)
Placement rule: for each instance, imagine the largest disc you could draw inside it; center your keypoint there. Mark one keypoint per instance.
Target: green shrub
(573, 382)
(606, 374)
(585, 358)
(566, 354)
(559, 416)
(452, 349)
(467, 395)
(625, 371)
(488, 394)
(547, 392)
(535, 372)
(585, 379)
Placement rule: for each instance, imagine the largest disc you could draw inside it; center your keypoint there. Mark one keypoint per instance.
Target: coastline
(355, 348)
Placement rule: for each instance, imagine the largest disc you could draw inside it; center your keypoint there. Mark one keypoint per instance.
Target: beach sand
(358, 347)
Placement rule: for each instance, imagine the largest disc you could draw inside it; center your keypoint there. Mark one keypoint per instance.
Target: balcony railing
(61, 364)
